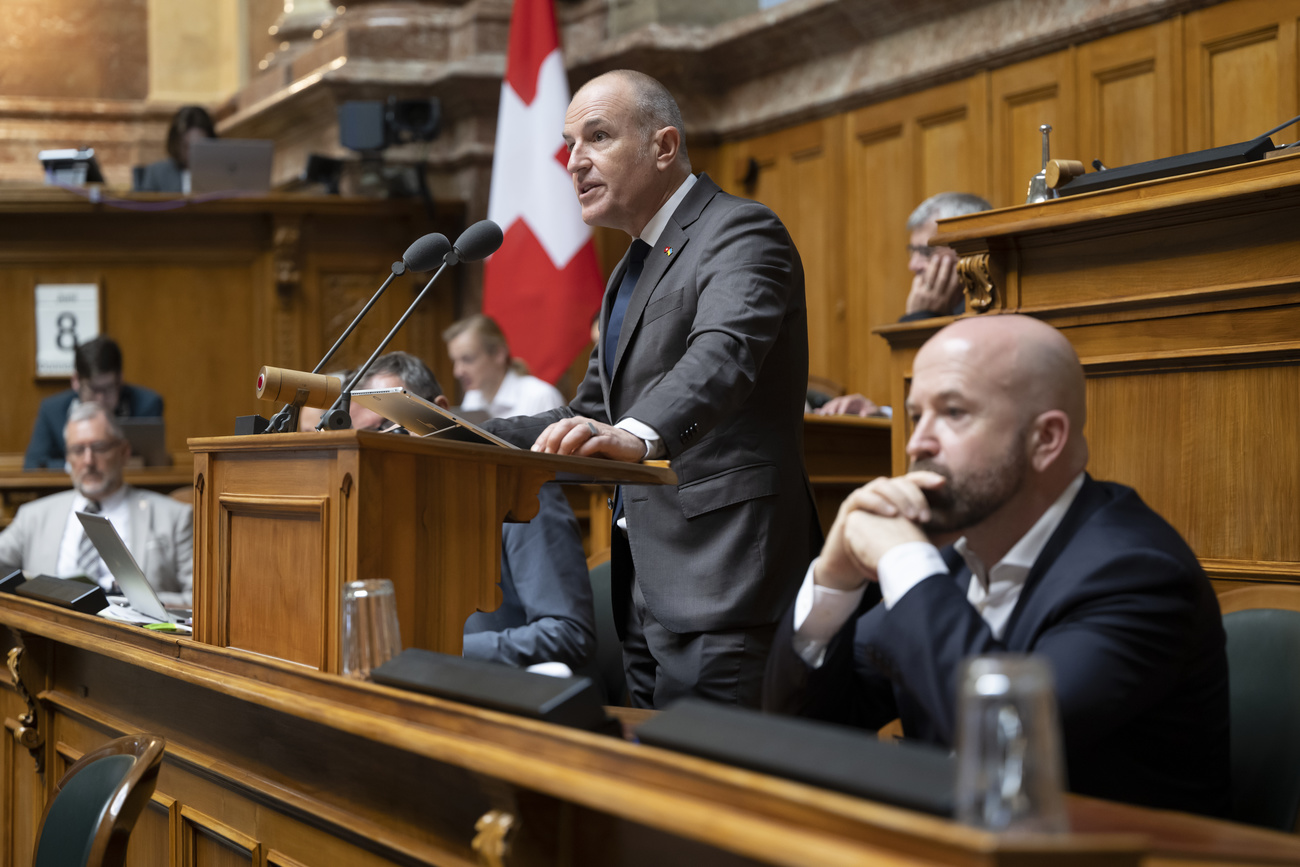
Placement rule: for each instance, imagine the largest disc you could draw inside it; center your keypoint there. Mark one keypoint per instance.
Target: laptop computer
(137, 589)
(148, 439)
(230, 164)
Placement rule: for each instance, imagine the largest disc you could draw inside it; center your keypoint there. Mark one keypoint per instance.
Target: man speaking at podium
(703, 359)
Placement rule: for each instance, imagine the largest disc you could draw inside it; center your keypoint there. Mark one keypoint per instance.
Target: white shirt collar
(653, 229)
(1017, 562)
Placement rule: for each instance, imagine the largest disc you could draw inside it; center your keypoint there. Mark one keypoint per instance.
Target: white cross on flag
(543, 285)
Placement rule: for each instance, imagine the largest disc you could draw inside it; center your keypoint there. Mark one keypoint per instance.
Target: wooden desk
(1182, 298)
(843, 452)
(270, 763)
(18, 486)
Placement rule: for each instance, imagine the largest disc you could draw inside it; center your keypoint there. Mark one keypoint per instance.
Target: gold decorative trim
(492, 841)
(28, 733)
(974, 273)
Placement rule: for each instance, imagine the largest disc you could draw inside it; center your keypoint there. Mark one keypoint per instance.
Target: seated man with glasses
(96, 378)
(46, 538)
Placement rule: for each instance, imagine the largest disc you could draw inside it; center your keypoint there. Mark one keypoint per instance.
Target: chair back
(89, 820)
(609, 650)
(1263, 627)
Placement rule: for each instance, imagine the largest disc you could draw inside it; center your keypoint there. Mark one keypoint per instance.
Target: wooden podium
(282, 522)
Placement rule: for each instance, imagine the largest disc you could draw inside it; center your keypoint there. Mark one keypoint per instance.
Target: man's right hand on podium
(589, 438)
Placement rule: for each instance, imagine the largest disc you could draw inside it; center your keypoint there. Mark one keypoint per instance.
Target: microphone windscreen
(427, 252)
(478, 241)
(281, 384)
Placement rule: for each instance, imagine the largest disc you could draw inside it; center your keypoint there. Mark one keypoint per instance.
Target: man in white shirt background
(46, 538)
(1036, 557)
(493, 382)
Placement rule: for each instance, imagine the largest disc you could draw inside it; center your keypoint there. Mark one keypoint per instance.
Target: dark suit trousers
(662, 666)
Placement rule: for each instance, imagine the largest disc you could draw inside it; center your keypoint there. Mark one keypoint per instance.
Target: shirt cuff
(654, 445)
(904, 566)
(819, 613)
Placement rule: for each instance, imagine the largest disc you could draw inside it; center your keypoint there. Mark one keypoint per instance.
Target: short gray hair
(415, 375)
(89, 410)
(944, 206)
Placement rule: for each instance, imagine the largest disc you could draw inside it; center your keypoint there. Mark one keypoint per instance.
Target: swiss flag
(543, 285)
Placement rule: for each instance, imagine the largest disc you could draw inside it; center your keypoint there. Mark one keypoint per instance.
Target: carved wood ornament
(492, 842)
(27, 734)
(975, 276)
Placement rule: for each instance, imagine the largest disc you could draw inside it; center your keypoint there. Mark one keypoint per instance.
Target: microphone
(298, 387)
(424, 254)
(477, 242)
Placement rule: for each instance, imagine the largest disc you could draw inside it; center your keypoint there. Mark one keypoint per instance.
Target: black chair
(609, 650)
(89, 820)
(1263, 626)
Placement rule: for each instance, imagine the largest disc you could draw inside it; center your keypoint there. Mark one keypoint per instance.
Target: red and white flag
(543, 285)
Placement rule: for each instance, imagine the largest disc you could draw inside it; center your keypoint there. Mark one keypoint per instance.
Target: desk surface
(394, 772)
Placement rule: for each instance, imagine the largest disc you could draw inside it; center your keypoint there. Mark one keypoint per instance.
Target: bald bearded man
(1038, 558)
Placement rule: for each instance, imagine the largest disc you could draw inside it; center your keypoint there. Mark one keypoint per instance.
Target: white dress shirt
(517, 395)
(114, 507)
(820, 612)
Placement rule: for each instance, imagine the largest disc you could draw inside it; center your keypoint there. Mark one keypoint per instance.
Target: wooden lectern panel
(283, 522)
(273, 555)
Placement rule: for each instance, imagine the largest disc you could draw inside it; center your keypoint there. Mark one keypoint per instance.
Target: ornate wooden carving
(28, 733)
(492, 842)
(980, 290)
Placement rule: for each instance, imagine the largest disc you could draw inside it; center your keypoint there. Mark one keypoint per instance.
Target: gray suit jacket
(546, 612)
(713, 354)
(162, 540)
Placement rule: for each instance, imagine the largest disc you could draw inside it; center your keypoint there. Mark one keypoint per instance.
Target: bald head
(1022, 356)
(654, 106)
(997, 407)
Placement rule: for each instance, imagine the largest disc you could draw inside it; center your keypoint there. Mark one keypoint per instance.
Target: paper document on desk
(120, 611)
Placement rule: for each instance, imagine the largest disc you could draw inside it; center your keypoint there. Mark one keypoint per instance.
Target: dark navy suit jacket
(1117, 604)
(546, 612)
(47, 450)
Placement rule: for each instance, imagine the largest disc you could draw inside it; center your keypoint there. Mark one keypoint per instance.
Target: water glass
(370, 632)
(1010, 770)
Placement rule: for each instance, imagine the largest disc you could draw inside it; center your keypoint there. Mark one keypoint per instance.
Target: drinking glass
(370, 632)
(1010, 771)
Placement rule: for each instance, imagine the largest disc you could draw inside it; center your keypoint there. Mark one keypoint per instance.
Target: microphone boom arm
(286, 420)
(338, 416)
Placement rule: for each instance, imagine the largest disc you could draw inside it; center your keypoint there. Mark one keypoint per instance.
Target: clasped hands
(589, 438)
(879, 516)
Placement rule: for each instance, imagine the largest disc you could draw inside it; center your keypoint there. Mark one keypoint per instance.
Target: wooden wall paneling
(896, 154)
(207, 842)
(152, 840)
(1240, 61)
(798, 176)
(1130, 105)
(881, 193)
(1021, 97)
(1149, 430)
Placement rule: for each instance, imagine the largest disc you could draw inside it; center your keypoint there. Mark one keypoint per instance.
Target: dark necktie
(88, 561)
(635, 260)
